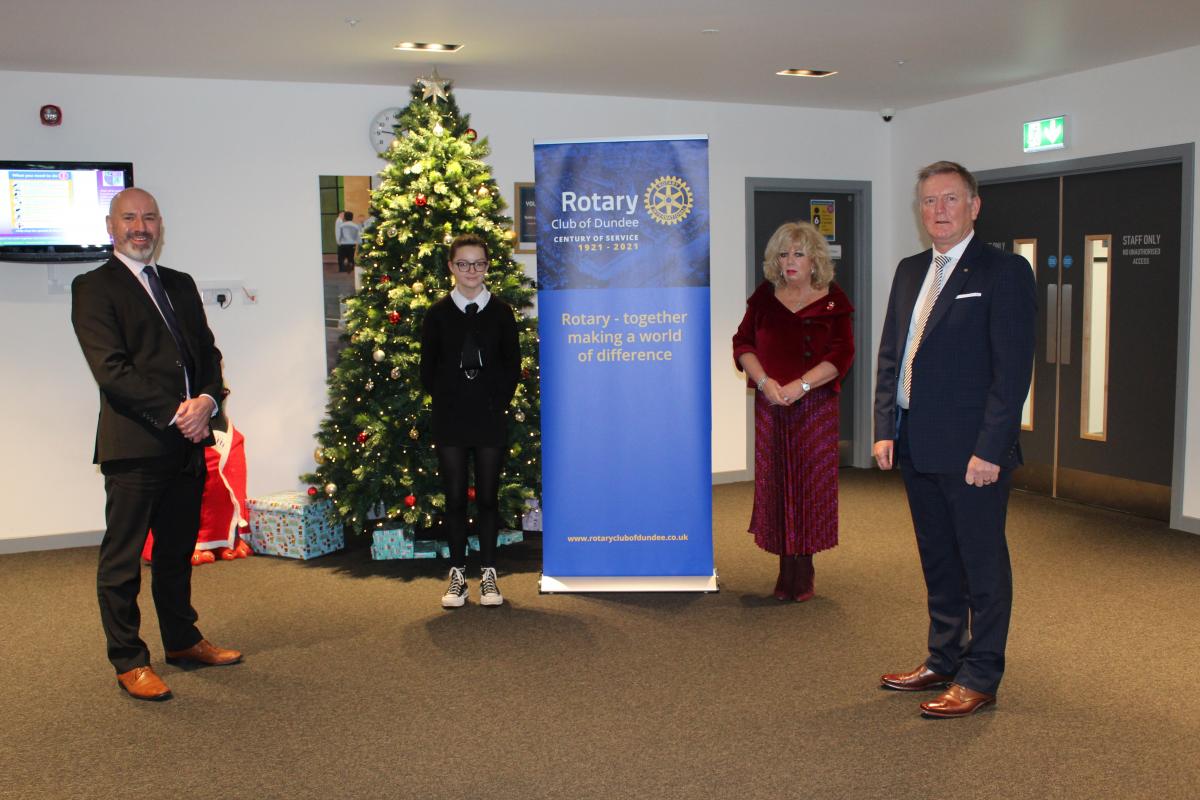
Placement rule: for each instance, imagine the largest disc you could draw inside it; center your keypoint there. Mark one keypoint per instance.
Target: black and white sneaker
(489, 592)
(456, 594)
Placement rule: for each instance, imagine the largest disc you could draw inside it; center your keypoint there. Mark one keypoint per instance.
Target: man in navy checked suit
(955, 361)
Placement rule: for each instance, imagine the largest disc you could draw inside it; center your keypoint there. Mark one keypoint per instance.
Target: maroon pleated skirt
(796, 474)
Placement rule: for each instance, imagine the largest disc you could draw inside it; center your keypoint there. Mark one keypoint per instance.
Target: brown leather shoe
(205, 652)
(918, 680)
(142, 684)
(957, 701)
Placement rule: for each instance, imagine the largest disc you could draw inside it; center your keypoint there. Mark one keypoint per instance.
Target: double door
(1098, 425)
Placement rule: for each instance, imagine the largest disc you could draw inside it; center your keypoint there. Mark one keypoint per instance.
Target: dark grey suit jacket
(135, 360)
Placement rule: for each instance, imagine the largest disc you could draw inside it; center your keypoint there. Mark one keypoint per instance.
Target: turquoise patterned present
(401, 543)
(292, 525)
(392, 543)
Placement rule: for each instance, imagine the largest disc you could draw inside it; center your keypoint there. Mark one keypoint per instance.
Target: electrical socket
(226, 293)
(217, 297)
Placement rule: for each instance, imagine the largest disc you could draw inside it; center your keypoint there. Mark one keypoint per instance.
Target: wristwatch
(804, 385)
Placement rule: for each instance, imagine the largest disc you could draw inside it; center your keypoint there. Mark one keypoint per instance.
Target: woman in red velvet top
(795, 345)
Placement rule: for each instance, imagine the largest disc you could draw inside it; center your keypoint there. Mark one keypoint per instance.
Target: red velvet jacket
(789, 344)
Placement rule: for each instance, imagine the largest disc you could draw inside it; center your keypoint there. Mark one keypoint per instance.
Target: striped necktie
(939, 264)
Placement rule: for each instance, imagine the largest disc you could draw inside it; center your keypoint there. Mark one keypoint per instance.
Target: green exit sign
(1046, 134)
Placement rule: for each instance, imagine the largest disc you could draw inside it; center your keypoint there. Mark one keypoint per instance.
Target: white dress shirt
(955, 254)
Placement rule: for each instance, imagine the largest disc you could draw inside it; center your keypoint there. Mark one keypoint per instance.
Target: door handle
(1052, 323)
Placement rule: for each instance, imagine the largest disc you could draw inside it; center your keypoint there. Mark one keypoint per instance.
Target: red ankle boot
(802, 583)
(787, 577)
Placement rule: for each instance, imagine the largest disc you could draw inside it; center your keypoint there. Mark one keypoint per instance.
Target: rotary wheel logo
(669, 200)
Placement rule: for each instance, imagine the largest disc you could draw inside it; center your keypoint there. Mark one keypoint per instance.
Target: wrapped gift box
(402, 543)
(532, 520)
(293, 525)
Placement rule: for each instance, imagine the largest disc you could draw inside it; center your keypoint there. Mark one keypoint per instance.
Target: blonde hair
(811, 242)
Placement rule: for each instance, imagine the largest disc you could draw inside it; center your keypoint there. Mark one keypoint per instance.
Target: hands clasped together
(192, 418)
(782, 395)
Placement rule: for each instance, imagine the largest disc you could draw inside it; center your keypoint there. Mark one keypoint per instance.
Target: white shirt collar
(955, 252)
(135, 267)
(461, 301)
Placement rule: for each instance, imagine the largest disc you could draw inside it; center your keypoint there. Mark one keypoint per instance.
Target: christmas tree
(376, 459)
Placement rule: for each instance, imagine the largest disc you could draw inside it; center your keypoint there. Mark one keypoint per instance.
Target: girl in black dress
(470, 366)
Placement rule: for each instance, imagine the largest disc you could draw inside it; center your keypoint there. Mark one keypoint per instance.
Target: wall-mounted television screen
(55, 210)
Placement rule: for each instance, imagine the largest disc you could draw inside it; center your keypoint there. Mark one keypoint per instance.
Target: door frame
(860, 447)
(1184, 155)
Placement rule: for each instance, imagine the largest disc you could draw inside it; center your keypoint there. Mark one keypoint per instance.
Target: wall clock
(383, 129)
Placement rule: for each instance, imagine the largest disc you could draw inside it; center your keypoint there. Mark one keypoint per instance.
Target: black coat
(469, 412)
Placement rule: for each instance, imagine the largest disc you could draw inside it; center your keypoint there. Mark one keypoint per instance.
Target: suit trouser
(163, 494)
(968, 576)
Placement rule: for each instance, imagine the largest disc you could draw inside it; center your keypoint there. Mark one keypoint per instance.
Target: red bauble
(385, 279)
(410, 501)
(525, 374)
(471, 134)
(420, 200)
(312, 491)
(470, 492)
(362, 437)
(394, 317)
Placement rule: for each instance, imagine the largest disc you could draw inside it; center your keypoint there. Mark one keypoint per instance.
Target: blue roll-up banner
(623, 318)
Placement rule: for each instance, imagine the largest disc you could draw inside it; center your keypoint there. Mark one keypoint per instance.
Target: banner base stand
(631, 583)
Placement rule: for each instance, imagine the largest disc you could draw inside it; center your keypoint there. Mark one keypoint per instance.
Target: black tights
(452, 465)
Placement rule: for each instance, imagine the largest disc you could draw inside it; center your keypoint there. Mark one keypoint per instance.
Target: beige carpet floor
(357, 684)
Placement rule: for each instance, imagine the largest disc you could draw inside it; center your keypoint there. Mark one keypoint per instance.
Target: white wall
(234, 165)
(1132, 106)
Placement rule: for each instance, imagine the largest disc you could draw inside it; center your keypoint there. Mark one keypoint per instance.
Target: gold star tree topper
(434, 86)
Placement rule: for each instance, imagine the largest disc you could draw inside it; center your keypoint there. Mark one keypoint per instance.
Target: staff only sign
(623, 308)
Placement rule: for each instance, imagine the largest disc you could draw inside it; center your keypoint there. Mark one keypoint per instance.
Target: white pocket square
(969, 294)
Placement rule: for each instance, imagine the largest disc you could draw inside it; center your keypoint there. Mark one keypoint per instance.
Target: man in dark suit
(955, 361)
(145, 337)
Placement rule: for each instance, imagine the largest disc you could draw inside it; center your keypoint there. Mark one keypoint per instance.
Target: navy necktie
(471, 359)
(168, 313)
